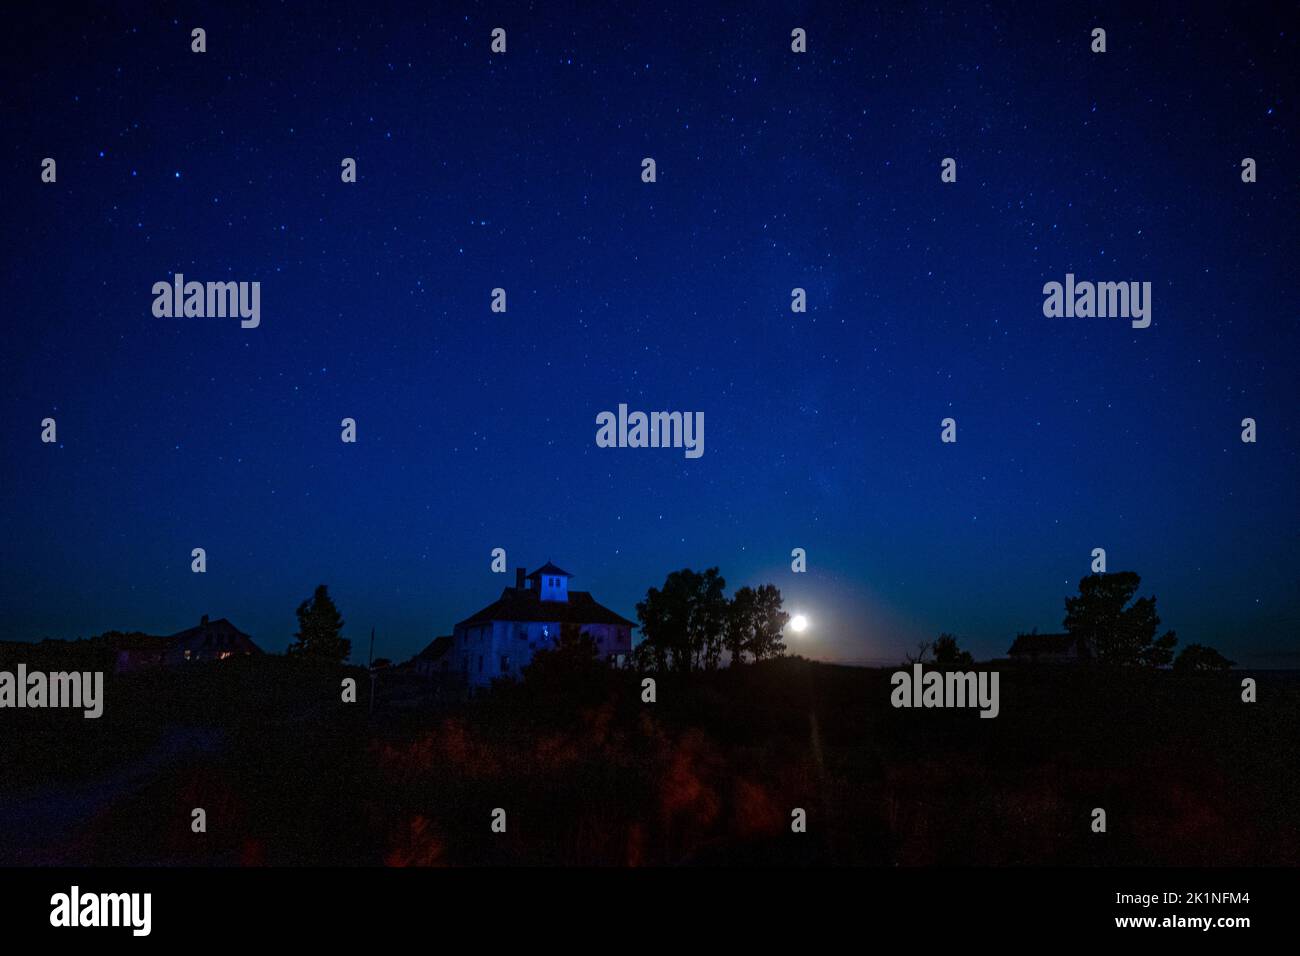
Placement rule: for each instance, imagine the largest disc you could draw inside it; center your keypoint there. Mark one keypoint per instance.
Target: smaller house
(434, 659)
(213, 641)
(1048, 649)
(136, 652)
(209, 641)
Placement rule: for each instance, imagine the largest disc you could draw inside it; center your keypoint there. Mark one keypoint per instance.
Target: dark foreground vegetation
(587, 773)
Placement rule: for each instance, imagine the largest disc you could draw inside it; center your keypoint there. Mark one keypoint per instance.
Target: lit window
(187, 653)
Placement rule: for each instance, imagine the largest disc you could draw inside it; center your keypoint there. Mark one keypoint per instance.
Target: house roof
(218, 633)
(524, 604)
(219, 625)
(1042, 644)
(549, 568)
(437, 647)
(140, 642)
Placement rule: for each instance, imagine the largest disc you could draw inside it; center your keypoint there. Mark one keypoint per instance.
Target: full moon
(798, 623)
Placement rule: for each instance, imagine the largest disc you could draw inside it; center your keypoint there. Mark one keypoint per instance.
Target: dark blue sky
(775, 170)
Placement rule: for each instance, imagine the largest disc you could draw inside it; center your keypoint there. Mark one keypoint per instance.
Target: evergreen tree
(320, 630)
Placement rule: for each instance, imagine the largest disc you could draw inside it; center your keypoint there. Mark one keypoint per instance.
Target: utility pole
(370, 666)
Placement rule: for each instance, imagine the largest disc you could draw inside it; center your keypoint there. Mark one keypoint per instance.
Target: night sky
(776, 170)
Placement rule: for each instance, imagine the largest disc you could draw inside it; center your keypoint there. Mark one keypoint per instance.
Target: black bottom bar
(367, 906)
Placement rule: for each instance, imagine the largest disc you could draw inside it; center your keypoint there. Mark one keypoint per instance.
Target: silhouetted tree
(1196, 658)
(1113, 630)
(922, 648)
(1160, 651)
(754, 624)
(663, 618)
(710, 620)
(683, 623)
(768, 623)
(740, 624)
(948, 654)
(320, 630)
(646, 657)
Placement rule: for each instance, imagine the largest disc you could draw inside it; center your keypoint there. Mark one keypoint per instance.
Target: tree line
(689, 623)
(1110, 626)
(1119, 629)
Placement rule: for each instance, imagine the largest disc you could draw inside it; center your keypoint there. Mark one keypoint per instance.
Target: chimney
(519, 578)
(204, 621)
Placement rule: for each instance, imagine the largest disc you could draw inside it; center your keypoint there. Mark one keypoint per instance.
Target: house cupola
(551, 583)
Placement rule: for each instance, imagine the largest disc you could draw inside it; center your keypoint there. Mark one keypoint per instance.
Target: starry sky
(776, 170)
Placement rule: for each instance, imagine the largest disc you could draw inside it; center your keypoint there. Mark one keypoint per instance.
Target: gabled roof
(549, 568)
(524, 605)
(218, 633)
(1042, 644)
(219, 625)
(140, 642)
(227, 635)
(437, 647)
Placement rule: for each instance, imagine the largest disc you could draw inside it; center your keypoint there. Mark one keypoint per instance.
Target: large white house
(501, 639)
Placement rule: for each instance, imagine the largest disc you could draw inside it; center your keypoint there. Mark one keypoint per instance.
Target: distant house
(1048, 649)
(136, 652)
(435, 658)
(501, 639)
(209, 641)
